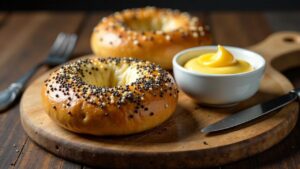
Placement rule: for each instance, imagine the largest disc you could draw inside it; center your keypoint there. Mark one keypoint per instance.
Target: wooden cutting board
(178, 142)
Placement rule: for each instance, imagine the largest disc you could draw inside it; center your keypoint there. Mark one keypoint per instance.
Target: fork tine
(58, 53)
(57, 43)
(71, 45)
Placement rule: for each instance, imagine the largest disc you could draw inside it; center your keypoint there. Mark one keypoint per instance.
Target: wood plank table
(25, 39)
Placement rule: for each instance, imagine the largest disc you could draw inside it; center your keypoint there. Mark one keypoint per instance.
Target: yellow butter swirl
(221, 62)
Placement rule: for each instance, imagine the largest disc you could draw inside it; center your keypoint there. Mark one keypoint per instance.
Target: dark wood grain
(25, 39)
(280, 21)
(83, 45)
(4, 16)
(243, 29)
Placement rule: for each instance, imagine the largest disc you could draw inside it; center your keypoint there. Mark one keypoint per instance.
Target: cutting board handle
(278, 44)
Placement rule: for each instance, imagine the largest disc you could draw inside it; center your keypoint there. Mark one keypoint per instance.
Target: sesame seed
(166, 105)
(136, 42)
(104, 19)
(168, 37)
(144, 37)
(195, 35)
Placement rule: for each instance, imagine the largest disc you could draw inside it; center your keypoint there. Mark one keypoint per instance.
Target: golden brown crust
(84, 108)
(117, 35)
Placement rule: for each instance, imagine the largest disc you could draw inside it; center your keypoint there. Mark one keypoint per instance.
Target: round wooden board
(178, 142)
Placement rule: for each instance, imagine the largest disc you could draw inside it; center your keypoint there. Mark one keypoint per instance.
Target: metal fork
(59, 53)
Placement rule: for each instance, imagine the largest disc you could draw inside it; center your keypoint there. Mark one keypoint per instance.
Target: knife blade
(252, 113)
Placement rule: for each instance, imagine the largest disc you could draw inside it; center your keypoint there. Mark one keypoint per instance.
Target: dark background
(205, 5)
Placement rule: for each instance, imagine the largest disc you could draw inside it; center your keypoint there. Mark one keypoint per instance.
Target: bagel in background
(149, 34)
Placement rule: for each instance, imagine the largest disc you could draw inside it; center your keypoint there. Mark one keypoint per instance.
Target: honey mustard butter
(221, 62)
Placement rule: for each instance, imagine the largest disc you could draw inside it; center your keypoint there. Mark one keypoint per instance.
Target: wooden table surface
(25, 39)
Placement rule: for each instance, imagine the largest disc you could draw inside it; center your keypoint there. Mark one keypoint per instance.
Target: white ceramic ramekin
(218, 90)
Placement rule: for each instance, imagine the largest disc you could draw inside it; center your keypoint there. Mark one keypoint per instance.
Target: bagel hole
(152, 24)
(109, 75)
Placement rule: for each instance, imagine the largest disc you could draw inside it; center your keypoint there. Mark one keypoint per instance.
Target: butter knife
(253, 112)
